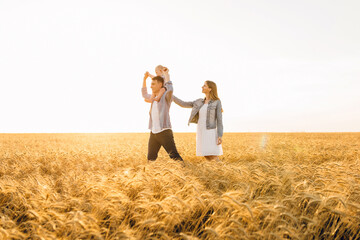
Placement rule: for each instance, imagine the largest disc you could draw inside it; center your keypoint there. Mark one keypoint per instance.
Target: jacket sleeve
(169, 91)
(183, 104)
(219, 121)
(145, 93)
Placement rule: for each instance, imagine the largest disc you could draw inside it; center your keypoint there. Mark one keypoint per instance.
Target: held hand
(165, 70)
(219, 140)
(146, 75)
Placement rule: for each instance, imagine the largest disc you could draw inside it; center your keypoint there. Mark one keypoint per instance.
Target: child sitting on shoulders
(159, 70)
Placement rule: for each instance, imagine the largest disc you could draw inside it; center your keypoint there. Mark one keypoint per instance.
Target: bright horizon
(280, 66)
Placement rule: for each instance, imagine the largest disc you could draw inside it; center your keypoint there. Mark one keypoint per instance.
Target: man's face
(155, 86)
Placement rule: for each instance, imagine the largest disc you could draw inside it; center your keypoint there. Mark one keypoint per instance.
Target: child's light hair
(160, 67)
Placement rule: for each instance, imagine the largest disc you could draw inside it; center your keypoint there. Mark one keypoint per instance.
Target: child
(159, 70)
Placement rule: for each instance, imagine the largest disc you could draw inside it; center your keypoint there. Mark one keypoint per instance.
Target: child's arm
(151, 76)
(161, 92)
(151, 99)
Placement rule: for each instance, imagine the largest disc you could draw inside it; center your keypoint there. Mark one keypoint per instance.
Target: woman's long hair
(213, 92)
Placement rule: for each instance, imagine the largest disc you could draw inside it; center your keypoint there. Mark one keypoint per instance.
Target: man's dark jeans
(165, 139)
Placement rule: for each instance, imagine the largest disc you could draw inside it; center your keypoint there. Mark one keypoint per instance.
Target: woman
(207, 113)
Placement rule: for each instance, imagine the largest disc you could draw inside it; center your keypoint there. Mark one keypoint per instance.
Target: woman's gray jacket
(213, 116)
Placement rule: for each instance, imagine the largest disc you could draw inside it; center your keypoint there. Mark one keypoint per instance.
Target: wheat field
(100, 186)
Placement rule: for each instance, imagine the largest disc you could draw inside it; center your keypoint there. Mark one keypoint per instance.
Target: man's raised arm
(144, 88)
(166, 75)
(168, 85)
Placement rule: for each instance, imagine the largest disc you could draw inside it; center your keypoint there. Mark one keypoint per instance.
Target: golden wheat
(100, 186)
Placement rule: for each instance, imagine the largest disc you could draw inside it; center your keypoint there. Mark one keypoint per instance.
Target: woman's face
(205, 88)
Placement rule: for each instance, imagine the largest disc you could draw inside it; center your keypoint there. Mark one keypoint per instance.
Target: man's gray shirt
(163, 105)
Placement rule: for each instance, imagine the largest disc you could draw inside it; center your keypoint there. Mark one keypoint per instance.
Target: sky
(280, 66)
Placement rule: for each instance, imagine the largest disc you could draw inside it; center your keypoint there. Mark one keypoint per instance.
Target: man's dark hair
(159, 79)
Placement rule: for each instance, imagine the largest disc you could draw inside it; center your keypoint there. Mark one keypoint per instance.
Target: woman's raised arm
(182, 103)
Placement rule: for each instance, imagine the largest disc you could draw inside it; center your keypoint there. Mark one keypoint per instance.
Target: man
(159, 123)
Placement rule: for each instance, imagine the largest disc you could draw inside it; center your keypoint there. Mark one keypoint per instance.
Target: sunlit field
(100, 186)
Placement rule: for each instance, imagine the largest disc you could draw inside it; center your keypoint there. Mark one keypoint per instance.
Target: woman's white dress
(206, 138)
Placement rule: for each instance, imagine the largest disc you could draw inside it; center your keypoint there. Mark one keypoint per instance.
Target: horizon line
(177, 132)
